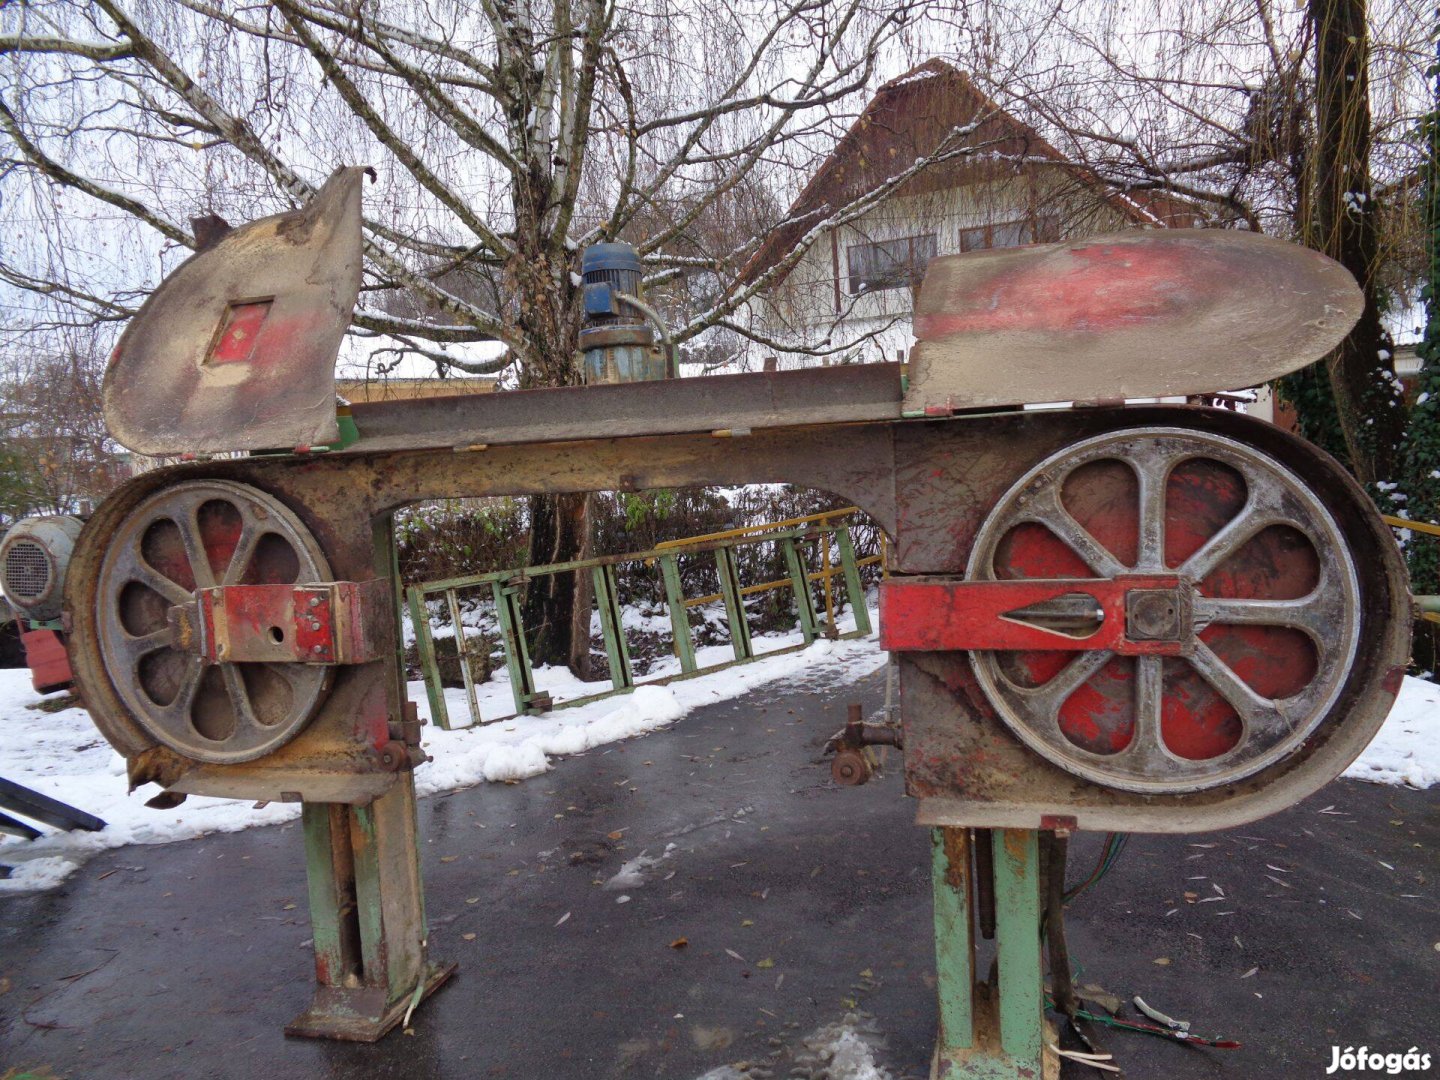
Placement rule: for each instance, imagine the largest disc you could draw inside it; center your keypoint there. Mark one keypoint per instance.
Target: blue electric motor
(616, 342)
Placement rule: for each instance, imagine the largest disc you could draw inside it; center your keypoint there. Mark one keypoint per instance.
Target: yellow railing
(824, 574)
(1416, 526)
(1420, 527)
(749, 530)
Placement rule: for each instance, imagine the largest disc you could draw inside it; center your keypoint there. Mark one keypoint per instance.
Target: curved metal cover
(1129, 315)
(236, 348)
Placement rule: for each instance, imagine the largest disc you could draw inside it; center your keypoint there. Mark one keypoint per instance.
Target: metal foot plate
(985, 1059)
(361, 1014)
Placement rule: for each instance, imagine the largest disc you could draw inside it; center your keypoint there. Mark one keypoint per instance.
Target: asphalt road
(802, 904)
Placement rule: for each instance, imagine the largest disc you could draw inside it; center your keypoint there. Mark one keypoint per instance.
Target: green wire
(1109, 855)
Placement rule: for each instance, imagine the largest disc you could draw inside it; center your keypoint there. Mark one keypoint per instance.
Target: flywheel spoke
(175, 717)
(189, 526)
(1313, 613)
(1261, 715)
(1153, 472)
(1147, 745)
(1051, 695)
(250, 535)
(1261, 510)
(137, 648)
(239, 695)
(1049, 512)
(142, 572)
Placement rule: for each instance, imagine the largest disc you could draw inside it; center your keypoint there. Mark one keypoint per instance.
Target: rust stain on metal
(849, 768)
(331, 623)
(1143, 314)
(957, 857)
(1014, 841)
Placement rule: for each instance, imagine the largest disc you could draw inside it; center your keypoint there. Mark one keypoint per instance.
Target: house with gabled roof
(998, 184)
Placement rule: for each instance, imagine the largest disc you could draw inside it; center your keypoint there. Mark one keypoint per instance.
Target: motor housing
(616, 344)
(34, 556)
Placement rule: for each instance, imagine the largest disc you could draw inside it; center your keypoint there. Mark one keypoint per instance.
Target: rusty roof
(909, 118)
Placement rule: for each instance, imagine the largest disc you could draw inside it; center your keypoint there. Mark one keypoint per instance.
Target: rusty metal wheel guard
(1282, 629)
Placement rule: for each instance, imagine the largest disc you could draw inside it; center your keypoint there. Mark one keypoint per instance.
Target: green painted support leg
(462, 655)
(512, 637)
(612, 627)
(367, 911)
(800, 585)
(734, 604)
(990, 1031)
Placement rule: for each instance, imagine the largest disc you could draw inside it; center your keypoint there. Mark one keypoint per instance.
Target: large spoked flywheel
(1266, 614)
(196, 535)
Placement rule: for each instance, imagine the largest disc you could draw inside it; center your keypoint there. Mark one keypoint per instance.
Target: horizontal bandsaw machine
(1125, 618)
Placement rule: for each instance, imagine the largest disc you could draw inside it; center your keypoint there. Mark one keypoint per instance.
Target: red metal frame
(331, 623)
(942, 614)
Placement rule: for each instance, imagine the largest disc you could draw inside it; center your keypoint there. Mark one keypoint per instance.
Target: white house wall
(802, 310)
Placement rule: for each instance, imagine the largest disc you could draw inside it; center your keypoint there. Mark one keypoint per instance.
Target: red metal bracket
(336, 622)
(941, 614)
(47, 660)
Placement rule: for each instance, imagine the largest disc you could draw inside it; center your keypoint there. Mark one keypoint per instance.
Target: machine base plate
(360, 1014)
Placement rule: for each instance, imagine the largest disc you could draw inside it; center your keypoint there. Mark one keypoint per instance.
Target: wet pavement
(800, 904)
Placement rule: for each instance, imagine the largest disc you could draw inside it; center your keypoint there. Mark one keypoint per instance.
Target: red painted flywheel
(197, 535)
(1265, 619)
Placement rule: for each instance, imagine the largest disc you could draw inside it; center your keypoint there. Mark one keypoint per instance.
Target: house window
(1000, 234)
(889, 264)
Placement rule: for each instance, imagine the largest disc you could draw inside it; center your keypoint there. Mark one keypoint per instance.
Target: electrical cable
(1109, 854)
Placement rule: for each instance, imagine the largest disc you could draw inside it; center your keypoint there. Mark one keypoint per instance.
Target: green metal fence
(506, 589)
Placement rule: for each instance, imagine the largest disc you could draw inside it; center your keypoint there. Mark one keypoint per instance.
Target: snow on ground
(1407, 749)
(840, 1051)
(62, 755)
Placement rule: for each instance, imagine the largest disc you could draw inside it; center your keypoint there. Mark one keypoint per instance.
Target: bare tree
(507, 134)
(1344, 224)
(56, 449)
(1293, 120)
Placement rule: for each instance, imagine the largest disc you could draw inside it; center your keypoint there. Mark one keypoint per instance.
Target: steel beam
(732, 404)
(44, 809)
